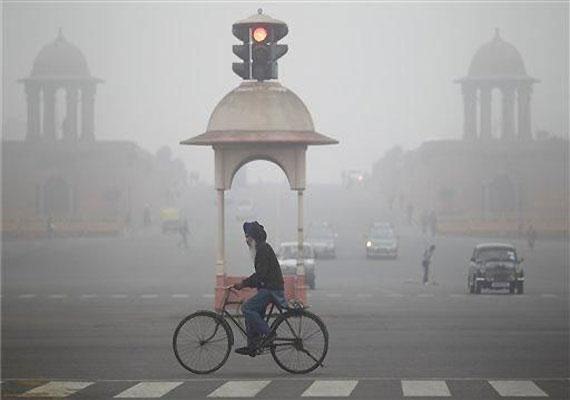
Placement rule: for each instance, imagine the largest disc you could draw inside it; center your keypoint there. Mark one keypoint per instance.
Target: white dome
(261, 106)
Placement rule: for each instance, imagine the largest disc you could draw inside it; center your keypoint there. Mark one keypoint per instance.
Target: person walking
(268, 280)
(183, 230)
(426, 261)
(531, 236)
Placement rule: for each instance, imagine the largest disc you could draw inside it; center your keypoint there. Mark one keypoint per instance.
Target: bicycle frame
(236, 318)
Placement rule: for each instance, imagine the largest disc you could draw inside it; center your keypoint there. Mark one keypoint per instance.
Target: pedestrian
(50, 227)
(531, 236)
(268, 280)
(183, 230)
(426, 260)
(146, 215)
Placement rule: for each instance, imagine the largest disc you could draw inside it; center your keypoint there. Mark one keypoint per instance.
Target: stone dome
(497, 58)
(60, 59)
(261, 106)
(260, 112)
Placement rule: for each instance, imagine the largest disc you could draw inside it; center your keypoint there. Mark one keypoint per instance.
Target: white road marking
(394, 295)
(149, 296)
(364, 295)
(119, 296)
(517, 389)
(208, 295)
(548, 295)
(239, 389)
(149, 390)
(425, 389)
(326, 388)
(458, 296)
(180, 296)
(56, 389)
(426, 295)
(27, 296)
(57, 296)
(88, 296)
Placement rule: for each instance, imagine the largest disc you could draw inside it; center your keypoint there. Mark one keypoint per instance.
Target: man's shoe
(246, 351)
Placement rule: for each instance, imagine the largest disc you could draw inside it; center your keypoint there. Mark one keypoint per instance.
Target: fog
(435, 231)
(373, 75)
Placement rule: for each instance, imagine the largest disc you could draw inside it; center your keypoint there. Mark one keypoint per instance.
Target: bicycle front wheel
(301, 342)
(202, 342)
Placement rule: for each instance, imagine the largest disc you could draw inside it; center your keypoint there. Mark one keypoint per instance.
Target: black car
(495, 266)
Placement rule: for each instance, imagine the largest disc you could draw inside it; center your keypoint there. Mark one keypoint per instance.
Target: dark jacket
(267, 270)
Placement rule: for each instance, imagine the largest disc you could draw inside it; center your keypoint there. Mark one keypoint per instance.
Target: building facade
(62, 173)
(486, 181)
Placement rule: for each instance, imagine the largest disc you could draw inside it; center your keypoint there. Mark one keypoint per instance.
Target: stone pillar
(219, 291)
(88, 112)
(70, 122)
(485, 125)
(470, 112)
(220, 264)
(508, 109)
(300, 284)
(524, 117)
(49, 112)
(33, 100)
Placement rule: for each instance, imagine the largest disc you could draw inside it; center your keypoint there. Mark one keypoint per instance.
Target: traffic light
(259, 51)
(265, 51)
(243, 51)
(260, 54)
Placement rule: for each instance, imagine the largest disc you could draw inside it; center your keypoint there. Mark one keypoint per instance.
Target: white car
(287, 257)
(322, 238)
(382, 241)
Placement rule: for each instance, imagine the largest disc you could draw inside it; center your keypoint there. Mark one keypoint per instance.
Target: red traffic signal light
(259, 50)
(259, 34)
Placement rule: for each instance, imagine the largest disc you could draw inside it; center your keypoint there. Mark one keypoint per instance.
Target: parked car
(287, 257)
(382, 241)
(322, 238)
(495, 266)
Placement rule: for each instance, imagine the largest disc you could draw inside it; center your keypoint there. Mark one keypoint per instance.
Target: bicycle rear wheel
(301, 342)
(202, 342)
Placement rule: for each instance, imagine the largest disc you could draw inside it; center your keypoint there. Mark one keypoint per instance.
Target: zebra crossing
(291, 388)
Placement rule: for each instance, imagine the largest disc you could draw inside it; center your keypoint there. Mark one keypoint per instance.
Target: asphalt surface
(102, 311)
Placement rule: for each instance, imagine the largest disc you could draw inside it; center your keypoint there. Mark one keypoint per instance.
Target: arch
(289, 158)
(254, 158)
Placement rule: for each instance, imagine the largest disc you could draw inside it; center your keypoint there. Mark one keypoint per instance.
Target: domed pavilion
(60, 65)
(497, 65)
(260, 120)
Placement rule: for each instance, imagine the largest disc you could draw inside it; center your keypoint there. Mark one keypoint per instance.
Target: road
(93, 318)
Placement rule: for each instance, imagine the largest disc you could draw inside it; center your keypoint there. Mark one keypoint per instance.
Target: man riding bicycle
(268, 280)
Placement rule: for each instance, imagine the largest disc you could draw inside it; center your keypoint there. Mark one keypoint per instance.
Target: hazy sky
(372, 74)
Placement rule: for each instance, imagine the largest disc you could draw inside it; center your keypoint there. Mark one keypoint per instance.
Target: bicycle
(203, 340)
